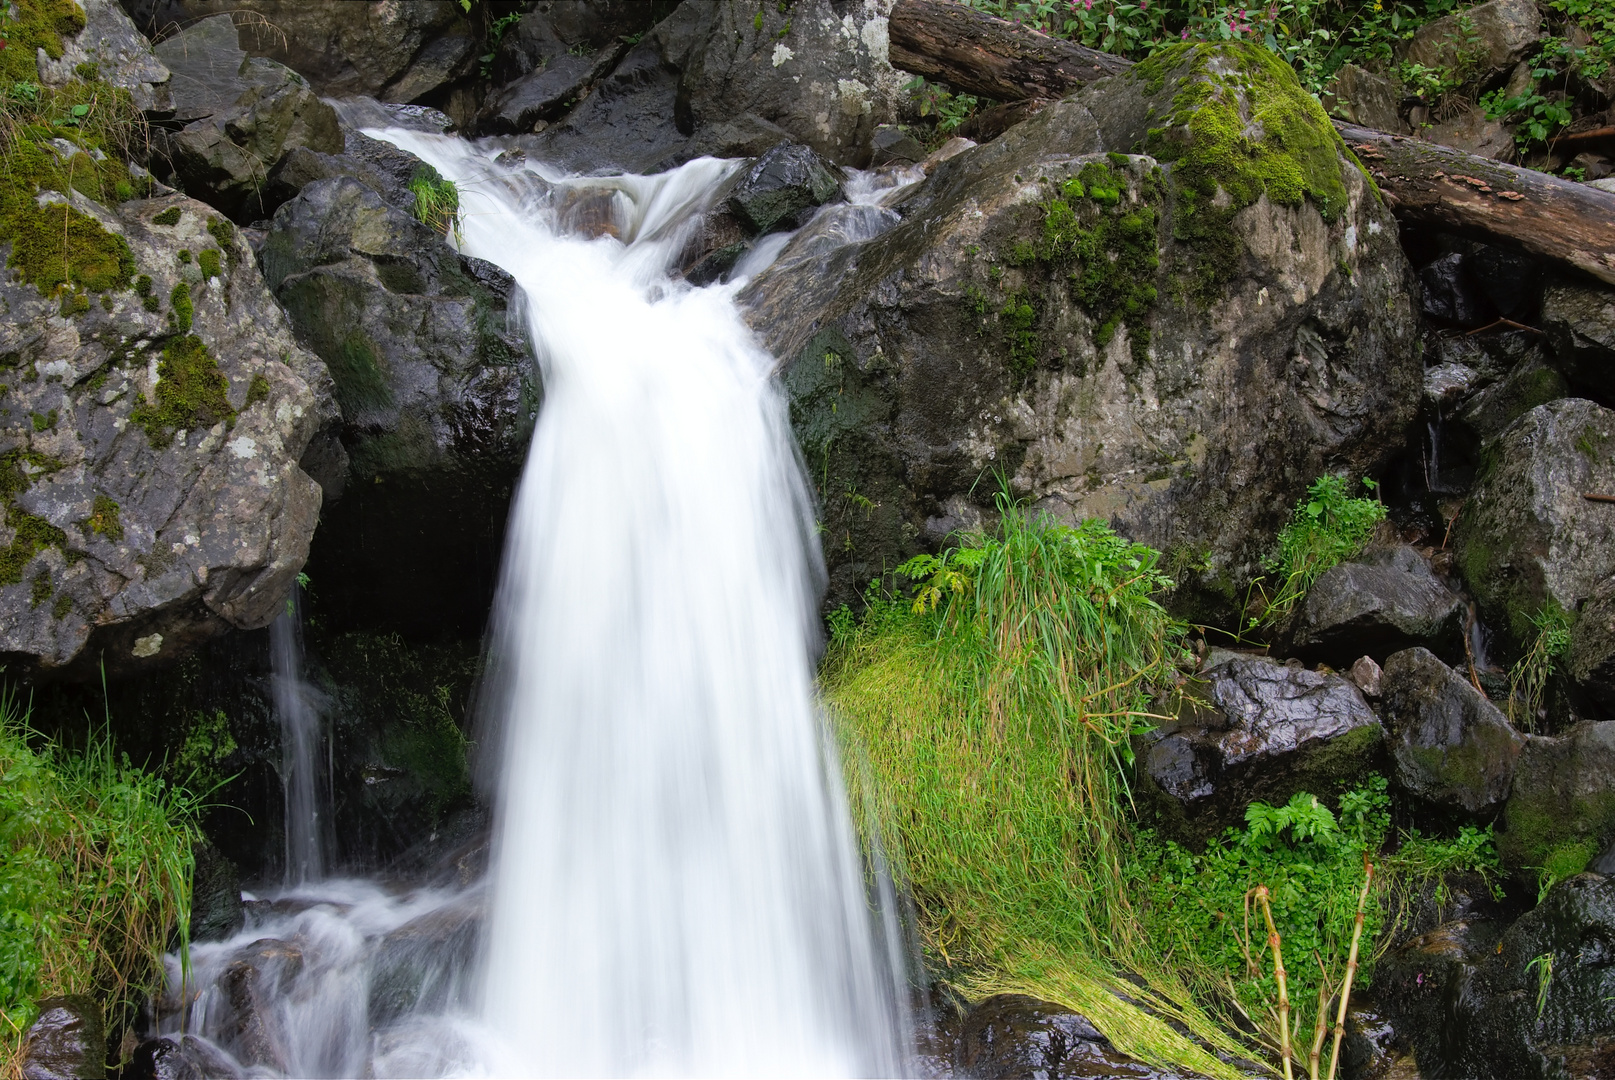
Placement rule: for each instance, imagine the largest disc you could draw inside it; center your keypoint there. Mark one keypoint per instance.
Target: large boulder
(1580, 322)
(437, 393)
(119, 54)
(732, 78)
(1528, 539)
(1252, 728)
(66, 1042)
(1156, 340)
(1453, 749)
(1389, 599)
(1480, 44)
(402, 50)
(242, 116)
(1561, 812)
(151, 445)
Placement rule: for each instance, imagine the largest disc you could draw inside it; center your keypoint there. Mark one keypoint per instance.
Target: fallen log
(980, 54)
(1543, 215)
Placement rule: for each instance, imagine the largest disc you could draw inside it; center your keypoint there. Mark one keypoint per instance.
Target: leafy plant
(951, 109)
(1543, 966)
(1327, 528)
(1528, 679)
(496, 34)
(437, 201)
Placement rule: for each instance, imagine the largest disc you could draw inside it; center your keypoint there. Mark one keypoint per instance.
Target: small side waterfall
(305, 765)
(675, 888)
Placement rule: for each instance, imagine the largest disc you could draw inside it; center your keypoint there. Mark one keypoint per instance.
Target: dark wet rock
(1509, 280)
(1485, 41)
(538, 97)
(554, 29)
(216, 911)
(1527, 537)
(1492, 354)
(783, 188)
(436, 393)
(162, 519)
(1011, 1036)
(1538, 1001)
(1561, 812)
(1266, 730)
(1580, 322)
(243, 115)
(1590, 662)
(1373, 1049)
(1453, 748)
(1449, 296)
(251, 982)
(1492, 409)
(392, 51)
(185, 1057)
(427, 964)
(121, 55)
(66, 1042)
(950, 359)
(1388, 599)
(892, 145)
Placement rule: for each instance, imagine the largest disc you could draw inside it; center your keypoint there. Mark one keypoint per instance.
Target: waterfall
(305, 782)
(675, 885)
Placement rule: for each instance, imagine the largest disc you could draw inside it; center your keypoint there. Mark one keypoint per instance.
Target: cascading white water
(304, 777)
(675, 887)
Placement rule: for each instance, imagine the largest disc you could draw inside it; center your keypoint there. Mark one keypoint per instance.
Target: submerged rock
(1452, 747)
(1561, 811)
(1386, 600)
(184, 1058)
(66, 1042)
(1031, 314)
(1266, 731)
(1009, 1036)
(428, 964)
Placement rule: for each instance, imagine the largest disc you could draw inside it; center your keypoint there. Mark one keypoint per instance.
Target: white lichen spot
(286, 412)
(192, 539)
(1261, 296)
(877, 40)
(243, 447)
(1374, 228)
(782, 53)
(148, 645)
(1351, 238)
(56, 369)
(854, 97)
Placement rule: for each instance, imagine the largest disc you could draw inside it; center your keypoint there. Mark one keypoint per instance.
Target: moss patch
(167, 217)
(190, 392)
(38, 24)
(1241, 126)
(183, 312)
(103, 519)
(257, 390)
(209, 262)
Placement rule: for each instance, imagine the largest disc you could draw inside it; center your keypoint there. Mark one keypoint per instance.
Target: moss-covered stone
(33, 25)
(191, 392)
(1561, 812)
(183, 311)
(167, 217)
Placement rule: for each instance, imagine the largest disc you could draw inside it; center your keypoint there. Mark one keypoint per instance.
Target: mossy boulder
(1171, 300)
(148, 505)
(1579, 318)
(1528, 539)
(1561, 812)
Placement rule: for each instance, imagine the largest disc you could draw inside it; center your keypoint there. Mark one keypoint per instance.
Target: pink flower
(1185, 35)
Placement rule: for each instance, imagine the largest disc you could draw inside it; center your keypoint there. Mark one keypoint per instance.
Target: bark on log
(1428, 184)
(979, 54)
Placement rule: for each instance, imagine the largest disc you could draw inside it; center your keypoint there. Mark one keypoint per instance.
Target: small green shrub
(1528, 679)
(437, 201)
(95, 874)
(1327, 528)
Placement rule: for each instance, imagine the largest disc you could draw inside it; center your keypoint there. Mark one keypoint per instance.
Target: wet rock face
(1528, 538)
(182, 1058)
(783, 189)
(1013, 1036)
(1386, 600)
(391, 51)
(437, 393)
(1538, 1001)
(66, 1042)
(947, 349)
(1452, 747)
(1270, 730)
(151, 443)
(1591, 660)
(428, 962)
(1580, 322)
(243, 117)
(1561, 812)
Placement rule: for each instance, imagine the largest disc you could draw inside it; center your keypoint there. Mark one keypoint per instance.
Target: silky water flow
(675, 885)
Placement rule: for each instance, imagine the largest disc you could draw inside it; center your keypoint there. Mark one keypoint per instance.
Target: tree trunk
(1439, 187)
(977, 53)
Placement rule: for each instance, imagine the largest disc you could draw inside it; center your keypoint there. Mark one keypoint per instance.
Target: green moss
(33, 534)
(184, 256)
(257, 390)
(1018, 321)
(360, 384)
(224, 234)
(1242, 126)
(40, 588)
(103, 519)
(63, 605)
(56, 244)
(209, 262)
(43, 421)
(36, 24)
(167, 217)
(190, 392)
(184, 312)
(74, 303)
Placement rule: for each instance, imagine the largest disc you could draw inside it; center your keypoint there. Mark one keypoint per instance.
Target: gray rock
(1607, 184)
(1482, 43)
(152, 536)
(1366, 675)
(1386, 600)
(892, 145)
(783, 188)
(539, 96)
(66, 1042)
(1270, 730)
(392, 51)
(1449, 296)
(121, 55)
(1591, 659)
(1364, 98)
(556, 28)
(1453, 748)
(1580, 322)
(1493, 408)
(245, 115)
(950, 359)
(1445, 385)
(1526, 536)
(216, 911)
(1009, 1036)
(1561, 812)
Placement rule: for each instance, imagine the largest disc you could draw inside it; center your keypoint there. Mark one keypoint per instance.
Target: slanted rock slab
(1389, 599)
(1560, 812)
